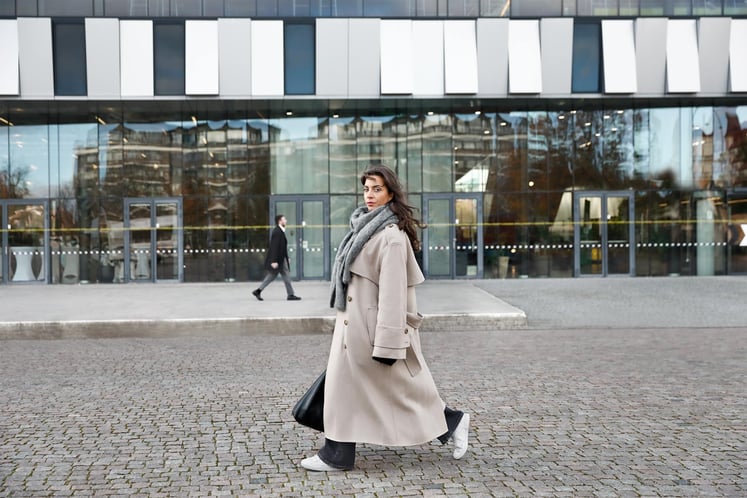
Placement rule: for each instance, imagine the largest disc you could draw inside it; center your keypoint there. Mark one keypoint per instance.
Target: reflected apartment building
(155, 141)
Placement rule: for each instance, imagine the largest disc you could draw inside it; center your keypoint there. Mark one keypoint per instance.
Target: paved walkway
(167, 310)
(579, 401)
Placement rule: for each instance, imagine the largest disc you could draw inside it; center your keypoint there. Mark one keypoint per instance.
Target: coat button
(344, 346)
(405, 331)
(350, 298)
(345, 322)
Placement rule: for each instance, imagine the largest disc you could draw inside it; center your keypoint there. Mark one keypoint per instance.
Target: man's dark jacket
(278, 252)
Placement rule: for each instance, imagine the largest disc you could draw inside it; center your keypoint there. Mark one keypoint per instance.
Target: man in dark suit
(277, 260)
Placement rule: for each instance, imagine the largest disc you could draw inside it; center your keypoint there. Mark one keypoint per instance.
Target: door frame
(452, 197)
(154, 237)
(5, 257)
(297, 268)
(602, 195)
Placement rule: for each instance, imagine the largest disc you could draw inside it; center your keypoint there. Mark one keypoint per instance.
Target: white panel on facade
(136, 58)
(35, 57)
(738, 56)
(234, 61)
(428, 57)
(396, 57)
(492, 56)
(332, 57)
(268, 59)
(9, 84)
(618, 49)
(556, 40)
(683, 66)
(524, 59)
(713, 47)
(460, 57)
(364, 70)
(201, 69)
(651, 55)
(102, 57)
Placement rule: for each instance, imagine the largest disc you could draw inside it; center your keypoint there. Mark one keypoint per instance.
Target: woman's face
(375, 192)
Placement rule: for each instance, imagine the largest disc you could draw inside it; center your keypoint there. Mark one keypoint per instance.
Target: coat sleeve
(392, 336)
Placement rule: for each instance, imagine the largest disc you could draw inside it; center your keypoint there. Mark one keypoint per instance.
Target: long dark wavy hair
(398, 204)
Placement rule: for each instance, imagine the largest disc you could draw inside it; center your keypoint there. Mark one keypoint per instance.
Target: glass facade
(371, 8)
(116, 193)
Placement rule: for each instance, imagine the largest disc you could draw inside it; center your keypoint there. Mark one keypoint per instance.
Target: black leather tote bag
(309, 410)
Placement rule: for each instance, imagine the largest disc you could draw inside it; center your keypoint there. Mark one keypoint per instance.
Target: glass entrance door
(453, 241)
(737, 233)
(23, 242)
(152, 241)
(307, 233)
(604, 234)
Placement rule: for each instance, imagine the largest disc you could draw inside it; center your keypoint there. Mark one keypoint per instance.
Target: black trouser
(342, 455)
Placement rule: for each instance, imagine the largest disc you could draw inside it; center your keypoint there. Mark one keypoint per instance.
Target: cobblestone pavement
(595, 412)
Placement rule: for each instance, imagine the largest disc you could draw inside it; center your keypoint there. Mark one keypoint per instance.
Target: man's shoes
(258, 294)
(293, 298)
(317, 465)
(461, 437)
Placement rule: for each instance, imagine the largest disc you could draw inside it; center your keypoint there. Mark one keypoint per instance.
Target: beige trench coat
(366, 401)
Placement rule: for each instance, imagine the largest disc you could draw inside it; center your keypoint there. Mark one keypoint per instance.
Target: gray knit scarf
(364, 224)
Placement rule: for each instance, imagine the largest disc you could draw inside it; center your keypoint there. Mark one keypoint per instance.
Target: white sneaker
(317, 465)
(461, 437)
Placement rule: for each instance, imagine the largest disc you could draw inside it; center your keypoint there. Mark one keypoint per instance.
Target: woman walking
(378, 388)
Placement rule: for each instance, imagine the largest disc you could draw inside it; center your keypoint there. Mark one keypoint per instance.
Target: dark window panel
(168, 46)
(299, 49)
(587, 58)
(69, 58)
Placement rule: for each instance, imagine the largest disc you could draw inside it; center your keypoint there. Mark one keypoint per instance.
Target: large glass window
(29, 161)
(299, 155)
(464, 8)
(730, 146)
(4, 157)
(55, 8)
(437, 153)
(343, 178)
(495, 8)
(241, 8)
(69, 58)
(389, 8)
(168, 48)
(587, 58)
(597, 7)
(299, 48)
(536, 8)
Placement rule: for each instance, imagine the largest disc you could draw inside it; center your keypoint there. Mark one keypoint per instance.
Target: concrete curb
(233, 327)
